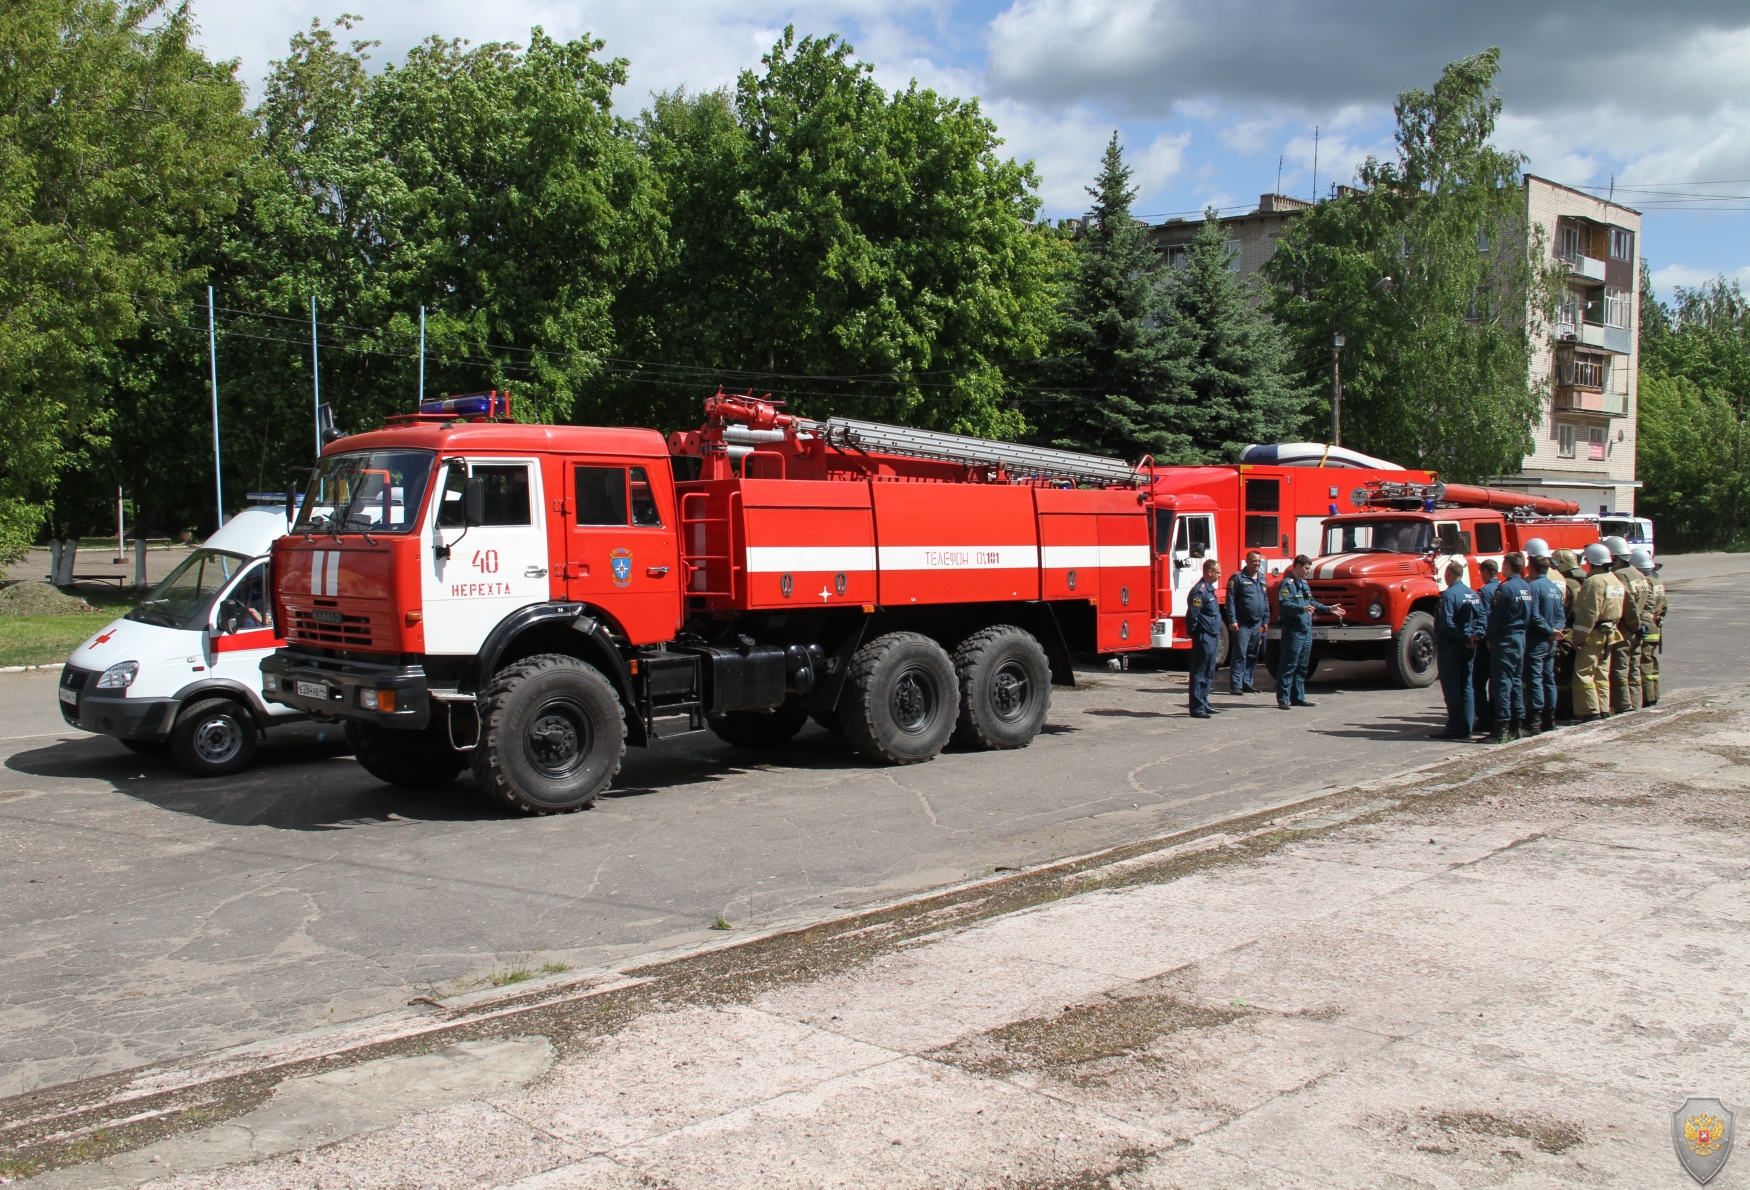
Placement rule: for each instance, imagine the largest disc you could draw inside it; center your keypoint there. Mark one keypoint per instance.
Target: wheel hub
(218, 740)
(1010, 692)
(557, 740)
(1421, 652)
(914, 701)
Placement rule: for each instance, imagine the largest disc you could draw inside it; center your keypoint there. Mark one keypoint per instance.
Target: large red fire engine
(522, 599)
(1385, 565)
(1276, 507)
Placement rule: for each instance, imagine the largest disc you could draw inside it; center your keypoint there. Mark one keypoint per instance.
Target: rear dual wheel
(901, 699)
(1005, 688)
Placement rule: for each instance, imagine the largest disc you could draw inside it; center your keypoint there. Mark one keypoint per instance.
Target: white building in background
(1584, 449)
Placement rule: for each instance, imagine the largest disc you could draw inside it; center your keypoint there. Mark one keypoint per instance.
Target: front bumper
(1337, 634)
(342, 683)
(120, 716)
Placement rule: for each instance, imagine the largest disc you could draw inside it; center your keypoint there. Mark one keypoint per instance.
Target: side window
(601, 496)
(644, 510)
(1488, 537)
(1199, 526)
(1260, 532)
(1163, 530)
(1263, 495)
(450, 497)
(507, 493)
(251, 594)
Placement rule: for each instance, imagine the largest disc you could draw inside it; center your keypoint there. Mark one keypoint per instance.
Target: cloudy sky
(1211, 100)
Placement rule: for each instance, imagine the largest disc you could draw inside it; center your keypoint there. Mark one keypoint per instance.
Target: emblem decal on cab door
(622, 563)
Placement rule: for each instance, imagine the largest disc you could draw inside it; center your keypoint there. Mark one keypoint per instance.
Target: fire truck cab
(464, 591)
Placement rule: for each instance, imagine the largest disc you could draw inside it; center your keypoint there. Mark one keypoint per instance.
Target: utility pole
(213, 360)
(421, 358)
(315, 381)
(1315, 163)
(1337, 342)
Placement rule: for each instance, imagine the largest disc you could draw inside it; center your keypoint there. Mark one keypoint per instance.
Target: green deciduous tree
(119, 144)
(1119, 386)
(1429, 272)
(854, 250)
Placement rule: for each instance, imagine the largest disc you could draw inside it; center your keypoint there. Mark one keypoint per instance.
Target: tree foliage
(120, 146)
(1693, 449)
(860, 251)
(1430, 272)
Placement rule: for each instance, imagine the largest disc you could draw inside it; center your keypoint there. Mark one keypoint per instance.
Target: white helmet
(1641, 560)
(1617, 546)
(1597, 554)
(1537, 547)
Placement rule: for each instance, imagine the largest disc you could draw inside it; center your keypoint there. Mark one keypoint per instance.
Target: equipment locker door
(620, 551)
(493, 568)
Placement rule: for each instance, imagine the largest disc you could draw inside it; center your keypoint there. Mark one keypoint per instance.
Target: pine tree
(1117, 382)
(1233, 359)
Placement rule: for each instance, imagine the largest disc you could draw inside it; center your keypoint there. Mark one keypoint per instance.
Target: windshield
(1387, 537)
(377, 491)
(185, 597)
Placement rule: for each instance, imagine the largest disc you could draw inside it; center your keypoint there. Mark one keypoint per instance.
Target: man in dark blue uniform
(1295, 606)
(1456, 628)
(1539, 673)
(1203, 626)
(1248, 618)
(1513, 612)
(1485, 709)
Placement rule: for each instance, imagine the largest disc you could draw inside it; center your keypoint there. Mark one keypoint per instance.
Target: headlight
(1375, 610)
(119, 676)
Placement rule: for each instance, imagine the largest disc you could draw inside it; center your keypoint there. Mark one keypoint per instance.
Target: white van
(1636, 530)
(183, 670)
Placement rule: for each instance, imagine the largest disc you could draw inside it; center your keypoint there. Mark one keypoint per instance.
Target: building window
(1616, 307)
(1564, 440)
(1233, 256)
(1596, 448)
(1568, 314)
(1622, 245)
(1571, 242)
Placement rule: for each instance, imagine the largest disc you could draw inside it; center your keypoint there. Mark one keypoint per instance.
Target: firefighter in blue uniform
(1541, 639)
(1248, 617)
(1295, 606)
(1511, 616)
(1485, 708)
(1203, 626)
(1456, 628)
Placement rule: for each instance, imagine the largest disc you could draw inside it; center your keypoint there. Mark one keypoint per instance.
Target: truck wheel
(900, 700)
(758, 729)
(1273, 658)
(552, 735)
(213, 738)
(1411, 659)
(1005, 688)
(1224, 649)
(829, 720)
(408, 759)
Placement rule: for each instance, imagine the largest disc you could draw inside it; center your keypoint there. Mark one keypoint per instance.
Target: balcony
(1570, 399)
(1588, 267)
(1612, 338)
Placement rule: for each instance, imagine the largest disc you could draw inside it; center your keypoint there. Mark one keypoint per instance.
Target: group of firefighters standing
(1554, 620)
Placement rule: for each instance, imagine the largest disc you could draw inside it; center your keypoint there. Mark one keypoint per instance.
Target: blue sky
(1210, 99)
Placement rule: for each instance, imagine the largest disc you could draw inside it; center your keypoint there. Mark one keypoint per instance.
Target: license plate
(1321, 634)
(312, 690)
(70, 697)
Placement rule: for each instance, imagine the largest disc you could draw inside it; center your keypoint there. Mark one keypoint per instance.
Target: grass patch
(45, 640)
(1545, 1133)
(555, 968)
(510, 975)
(720, 924)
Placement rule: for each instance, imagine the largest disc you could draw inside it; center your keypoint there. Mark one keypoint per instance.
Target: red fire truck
(1276, 505)
(463, 591)
(1385, 565)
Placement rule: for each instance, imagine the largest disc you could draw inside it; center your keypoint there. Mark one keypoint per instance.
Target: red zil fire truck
(523, 599)
(1385, 565)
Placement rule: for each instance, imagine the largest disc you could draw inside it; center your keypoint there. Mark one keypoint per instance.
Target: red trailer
(462, 591)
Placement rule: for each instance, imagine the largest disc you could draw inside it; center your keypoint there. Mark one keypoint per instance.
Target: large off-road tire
(214, 737)
(758, 729)
(1005, 688)
(552, 735)
(1225, 648)
(1410, 658)
(407, 759)
(901, 699)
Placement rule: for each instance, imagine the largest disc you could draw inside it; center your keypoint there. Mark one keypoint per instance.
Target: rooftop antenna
(1315, 163)
(1612, 196)
(1279, 158)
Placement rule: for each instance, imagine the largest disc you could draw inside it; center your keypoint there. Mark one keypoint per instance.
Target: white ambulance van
(182, 672)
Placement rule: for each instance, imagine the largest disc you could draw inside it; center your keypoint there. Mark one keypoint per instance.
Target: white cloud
(1674, 275)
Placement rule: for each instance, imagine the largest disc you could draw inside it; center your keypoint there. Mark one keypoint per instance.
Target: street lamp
(1337, 342)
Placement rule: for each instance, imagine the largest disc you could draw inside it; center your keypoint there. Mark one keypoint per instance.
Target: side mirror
(474, 502)
(230, 611)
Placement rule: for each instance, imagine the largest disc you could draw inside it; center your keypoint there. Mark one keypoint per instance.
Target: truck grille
(74, 679)
(1337, 595)
(330, 629)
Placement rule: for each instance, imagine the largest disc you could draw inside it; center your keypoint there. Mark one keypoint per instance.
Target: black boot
(1527, 727)
(1548, 723)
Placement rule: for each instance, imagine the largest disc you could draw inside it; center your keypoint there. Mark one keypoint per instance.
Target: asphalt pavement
(151, 915)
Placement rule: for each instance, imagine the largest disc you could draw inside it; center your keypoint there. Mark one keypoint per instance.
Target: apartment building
(1251, 237)
(1587, 361)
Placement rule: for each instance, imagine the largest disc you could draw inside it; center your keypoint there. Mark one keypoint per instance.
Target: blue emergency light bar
(492, 404)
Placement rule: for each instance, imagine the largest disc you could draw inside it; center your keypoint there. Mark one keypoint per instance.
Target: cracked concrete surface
(1510, 981)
